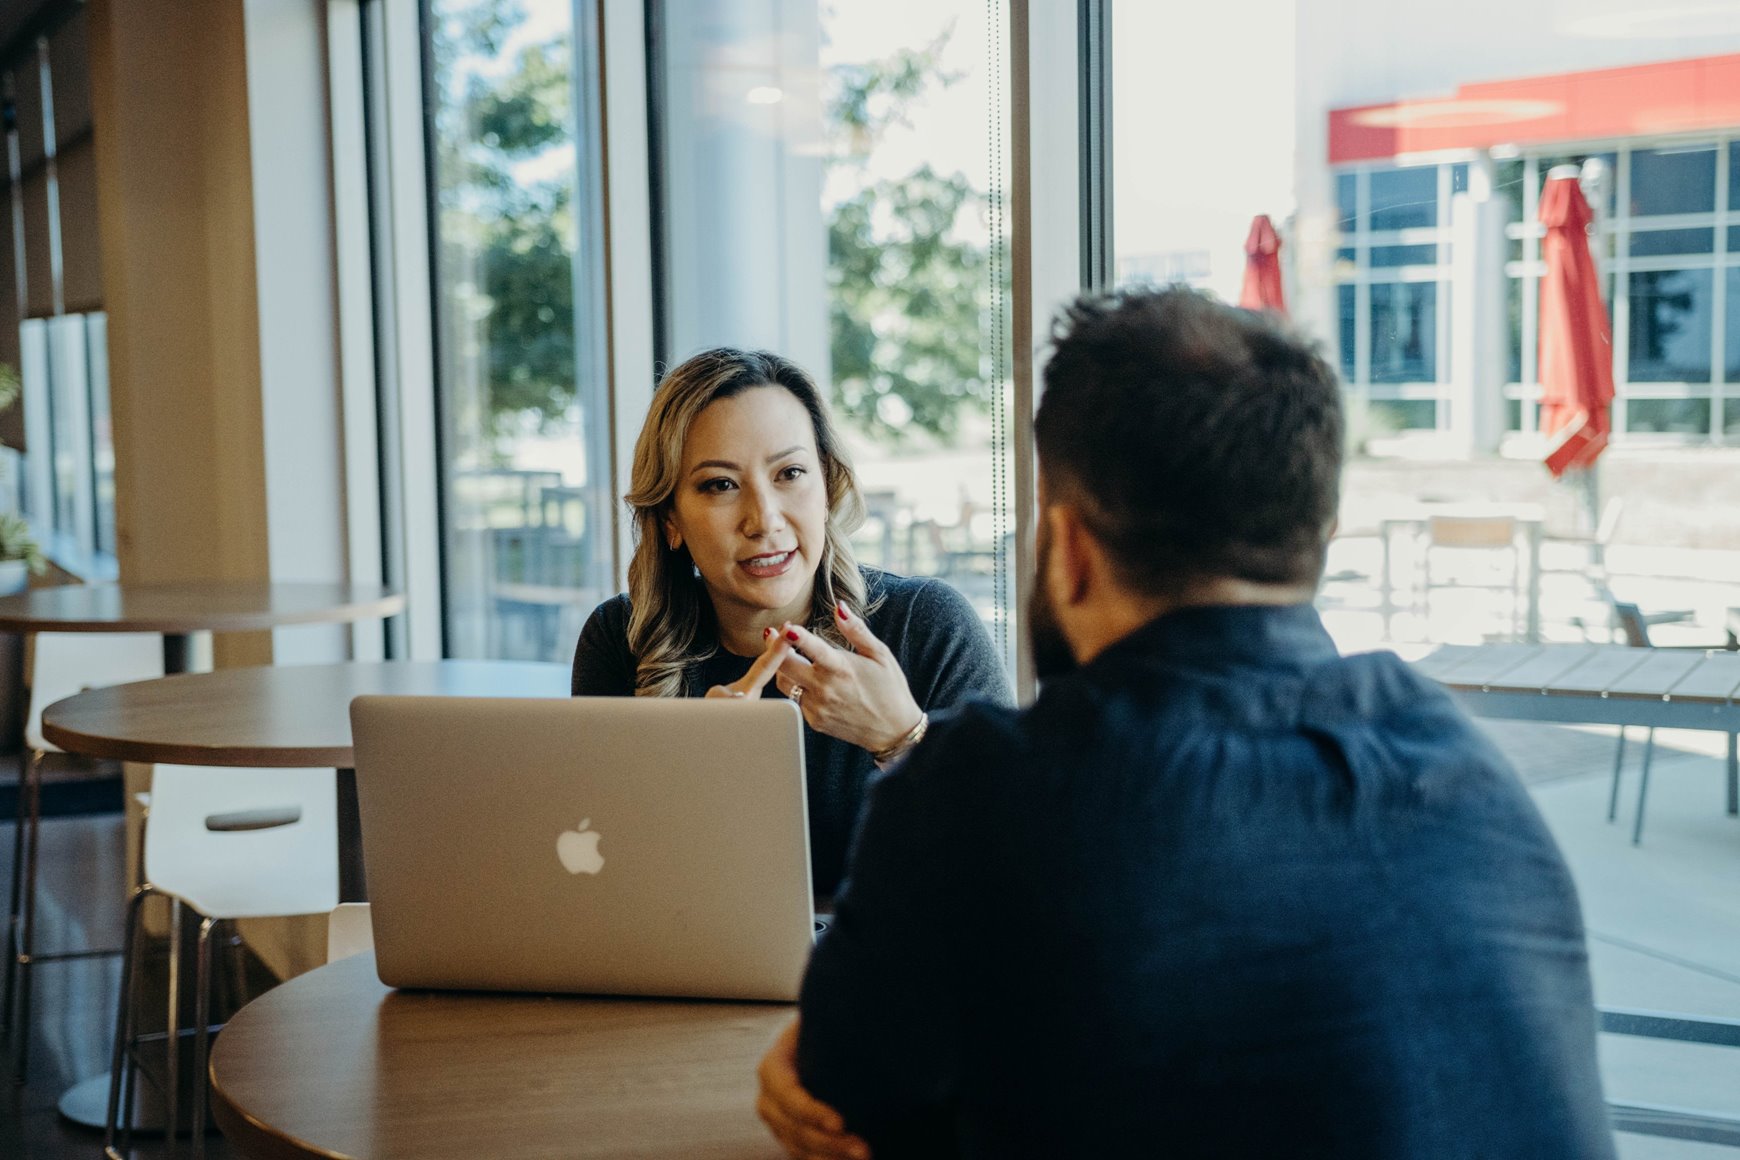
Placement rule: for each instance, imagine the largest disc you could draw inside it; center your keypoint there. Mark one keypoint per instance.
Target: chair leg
(27, 925)
(1643, 787)
(201, 1036)
(172, 1024)
(14, 912)
(1618, 761)
(121, 1054)
(1734, 773)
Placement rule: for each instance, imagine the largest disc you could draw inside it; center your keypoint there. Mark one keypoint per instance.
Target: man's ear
(1071, 558)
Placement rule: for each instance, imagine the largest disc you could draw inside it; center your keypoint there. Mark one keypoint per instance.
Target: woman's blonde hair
(671, 624)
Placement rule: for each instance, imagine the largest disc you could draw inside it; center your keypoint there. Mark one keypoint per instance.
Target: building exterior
(1424, 140)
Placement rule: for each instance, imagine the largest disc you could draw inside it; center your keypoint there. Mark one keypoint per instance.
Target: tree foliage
(507, 241)
(907, 287)
(908, 293)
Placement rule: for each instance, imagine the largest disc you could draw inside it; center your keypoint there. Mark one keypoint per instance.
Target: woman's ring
(797, 694)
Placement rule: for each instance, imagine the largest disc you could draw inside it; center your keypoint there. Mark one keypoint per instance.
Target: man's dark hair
(1197, 439)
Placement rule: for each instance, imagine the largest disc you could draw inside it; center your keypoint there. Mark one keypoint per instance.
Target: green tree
(909, 294)
(507, 244)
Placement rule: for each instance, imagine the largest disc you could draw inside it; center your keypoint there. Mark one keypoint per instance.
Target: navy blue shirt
(1221, 892)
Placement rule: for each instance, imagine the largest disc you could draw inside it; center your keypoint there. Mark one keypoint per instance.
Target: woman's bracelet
(886, 757)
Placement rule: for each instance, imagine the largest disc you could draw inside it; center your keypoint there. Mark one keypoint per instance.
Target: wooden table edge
(249, 756)
(220, 622)
(254, 1138)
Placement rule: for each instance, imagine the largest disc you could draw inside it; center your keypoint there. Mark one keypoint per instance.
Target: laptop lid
(604, 845)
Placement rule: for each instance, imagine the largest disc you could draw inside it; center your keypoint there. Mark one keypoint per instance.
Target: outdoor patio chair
(1473, 547)
(1634, 626)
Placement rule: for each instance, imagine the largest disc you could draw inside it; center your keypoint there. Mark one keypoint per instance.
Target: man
(1220, 891)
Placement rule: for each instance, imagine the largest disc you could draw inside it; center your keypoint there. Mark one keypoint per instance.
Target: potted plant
(19, 554)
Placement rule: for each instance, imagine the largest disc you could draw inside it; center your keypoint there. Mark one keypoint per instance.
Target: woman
(743, 584)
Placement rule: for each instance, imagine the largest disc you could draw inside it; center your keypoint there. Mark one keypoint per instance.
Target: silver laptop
(605, 845)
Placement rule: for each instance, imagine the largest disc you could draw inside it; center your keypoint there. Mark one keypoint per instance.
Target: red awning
(1676, 96)
(1262, 288)
(1576, 367)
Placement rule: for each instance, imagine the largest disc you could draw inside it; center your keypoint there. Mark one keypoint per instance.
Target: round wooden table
(274, 716)
(179, 610)
(283, 716)
(334, 1064)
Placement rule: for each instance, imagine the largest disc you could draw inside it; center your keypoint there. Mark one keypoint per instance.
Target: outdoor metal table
(1598, 685)
(1615, 685)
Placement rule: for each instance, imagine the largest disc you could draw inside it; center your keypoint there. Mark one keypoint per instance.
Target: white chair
(229, 844)
(1472, 543)
(60, 665)
(349, 931)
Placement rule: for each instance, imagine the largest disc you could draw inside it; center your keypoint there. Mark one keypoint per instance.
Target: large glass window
(1404, 332)
(1670, 326)
(1676, 180)
(527, 524)
(833, 190)
(1404, 198)
(1392, 258)
(67, 487)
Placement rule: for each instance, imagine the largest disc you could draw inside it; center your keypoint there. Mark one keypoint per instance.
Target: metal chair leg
(1643, 788)
(121, 1054)
(172, 1025)
(1734, 773)
(24, 837)
(1613, 792)
(27, 924)
(14, 911)
(201, 1036)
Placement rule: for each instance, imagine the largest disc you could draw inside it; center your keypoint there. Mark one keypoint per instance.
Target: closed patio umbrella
(1262, 288)
(1576, 358)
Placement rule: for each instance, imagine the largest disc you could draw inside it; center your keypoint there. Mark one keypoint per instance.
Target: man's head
(1189, 452)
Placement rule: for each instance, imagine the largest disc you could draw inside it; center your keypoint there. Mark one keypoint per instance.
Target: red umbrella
(1262, 289)
(1576, 369)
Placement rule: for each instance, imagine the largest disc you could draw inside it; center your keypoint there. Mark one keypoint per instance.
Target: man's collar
(1225, 634)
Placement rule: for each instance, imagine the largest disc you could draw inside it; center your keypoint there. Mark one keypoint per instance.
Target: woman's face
(751, 503)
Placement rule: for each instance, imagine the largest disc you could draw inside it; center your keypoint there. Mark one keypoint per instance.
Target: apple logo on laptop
(578, 849)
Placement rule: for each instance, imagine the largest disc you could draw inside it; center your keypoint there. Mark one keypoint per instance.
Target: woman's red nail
(790, 635)
(841, 610)
(766, 632)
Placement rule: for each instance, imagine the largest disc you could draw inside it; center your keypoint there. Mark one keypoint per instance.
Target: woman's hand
(762, 671)
(860, 697)
(805, 1127)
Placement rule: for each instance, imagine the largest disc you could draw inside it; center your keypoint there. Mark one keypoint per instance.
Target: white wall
(747, 246)
(293, 261)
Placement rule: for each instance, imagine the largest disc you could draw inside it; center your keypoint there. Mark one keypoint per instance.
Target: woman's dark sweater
(930, 628)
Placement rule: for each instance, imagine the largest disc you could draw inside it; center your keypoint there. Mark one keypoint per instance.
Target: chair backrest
(1471, 531)
(349, 931)
(1632, 625)
(192, 851)
(1611, 512)
(64, 663)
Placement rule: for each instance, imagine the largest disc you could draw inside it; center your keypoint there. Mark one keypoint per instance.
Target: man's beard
(1052, 656)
